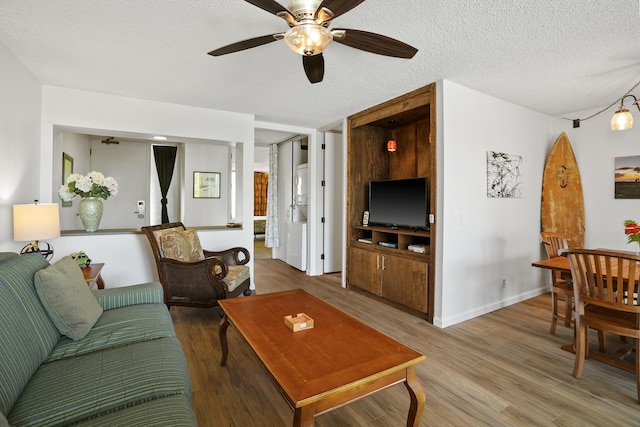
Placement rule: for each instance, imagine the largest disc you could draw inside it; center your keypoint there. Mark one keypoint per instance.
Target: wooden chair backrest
(606, 278)
(553, 243)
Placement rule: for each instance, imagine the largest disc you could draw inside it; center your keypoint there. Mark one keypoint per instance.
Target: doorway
(260, 184)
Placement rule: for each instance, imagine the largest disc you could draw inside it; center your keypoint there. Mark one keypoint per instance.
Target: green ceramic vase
(90, 210)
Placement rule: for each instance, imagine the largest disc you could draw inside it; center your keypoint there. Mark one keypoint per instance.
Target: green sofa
(129, 369)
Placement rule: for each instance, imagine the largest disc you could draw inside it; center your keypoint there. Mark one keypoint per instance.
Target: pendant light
(623, 119)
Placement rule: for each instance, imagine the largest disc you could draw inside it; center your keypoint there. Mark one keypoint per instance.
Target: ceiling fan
(309, 35)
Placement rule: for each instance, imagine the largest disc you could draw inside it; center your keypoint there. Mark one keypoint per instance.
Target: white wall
(19, 142)
(128, 256)
(207, 158)
(485, 240)
(596, 146)
(261, 159)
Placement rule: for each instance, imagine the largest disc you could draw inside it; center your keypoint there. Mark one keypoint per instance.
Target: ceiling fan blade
(338, 7)
(276, 8)
(374, 43)
(314, 67)
(244, 44)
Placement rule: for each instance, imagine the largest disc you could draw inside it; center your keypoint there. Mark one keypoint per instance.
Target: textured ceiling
(552, 56)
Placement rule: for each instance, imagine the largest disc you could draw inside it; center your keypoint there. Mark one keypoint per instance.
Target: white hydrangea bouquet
(94, 184)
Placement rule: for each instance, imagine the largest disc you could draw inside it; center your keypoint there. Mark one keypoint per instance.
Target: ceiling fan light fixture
(308, 39)
(622, 119)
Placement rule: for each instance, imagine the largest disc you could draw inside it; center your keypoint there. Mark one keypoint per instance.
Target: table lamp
(36, 221)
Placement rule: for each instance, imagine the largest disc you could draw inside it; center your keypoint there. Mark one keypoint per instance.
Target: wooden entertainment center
(379, 259)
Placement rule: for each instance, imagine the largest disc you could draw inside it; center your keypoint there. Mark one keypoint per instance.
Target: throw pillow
(183, 245)
(67, 299)
(159, 233)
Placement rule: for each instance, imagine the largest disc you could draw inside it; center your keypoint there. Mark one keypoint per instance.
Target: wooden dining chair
(561, 286)
(606, 286)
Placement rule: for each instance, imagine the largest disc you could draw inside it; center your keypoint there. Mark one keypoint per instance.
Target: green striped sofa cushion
(75, 388)
(7, 255)
(27, 334)
(172, 411)
(117, 327)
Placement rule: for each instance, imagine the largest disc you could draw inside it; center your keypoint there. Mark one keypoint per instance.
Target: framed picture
(503, 175)
(67, 169)
(627, 177)
(206, 185)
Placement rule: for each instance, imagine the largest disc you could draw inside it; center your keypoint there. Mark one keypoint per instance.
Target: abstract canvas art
(503, 175)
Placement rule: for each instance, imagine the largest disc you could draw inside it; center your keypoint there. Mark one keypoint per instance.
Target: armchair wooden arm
(232, 256)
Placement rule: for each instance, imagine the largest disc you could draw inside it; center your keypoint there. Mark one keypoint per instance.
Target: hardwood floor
(260, 251)
(502, 369)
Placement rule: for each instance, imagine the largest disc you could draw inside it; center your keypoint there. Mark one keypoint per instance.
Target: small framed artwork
(627, 177)
(206, 185)
(503, 175)
(67, 169)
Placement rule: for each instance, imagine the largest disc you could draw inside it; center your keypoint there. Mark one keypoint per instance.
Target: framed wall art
(627, 177)
(67, 169)
(206, 185)
(503, 175)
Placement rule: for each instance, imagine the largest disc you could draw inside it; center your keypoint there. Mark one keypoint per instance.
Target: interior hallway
(260, 251)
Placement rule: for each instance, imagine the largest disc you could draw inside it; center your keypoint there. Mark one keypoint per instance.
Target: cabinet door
(405, 281)
(364, 270)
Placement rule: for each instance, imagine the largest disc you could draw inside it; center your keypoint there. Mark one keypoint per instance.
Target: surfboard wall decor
(562, 205)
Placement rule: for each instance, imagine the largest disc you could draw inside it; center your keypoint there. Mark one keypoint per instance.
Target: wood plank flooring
(501, 369)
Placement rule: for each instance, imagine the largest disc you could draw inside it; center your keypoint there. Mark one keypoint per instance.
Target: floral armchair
(192, 276)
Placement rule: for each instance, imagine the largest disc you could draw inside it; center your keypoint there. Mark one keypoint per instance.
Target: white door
(285, 197)
(128, 163)
(333, 201)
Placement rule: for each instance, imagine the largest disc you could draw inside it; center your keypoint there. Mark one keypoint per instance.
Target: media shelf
(396, 240)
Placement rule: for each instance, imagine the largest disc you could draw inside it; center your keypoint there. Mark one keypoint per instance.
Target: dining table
(558, 263)
(617, 359)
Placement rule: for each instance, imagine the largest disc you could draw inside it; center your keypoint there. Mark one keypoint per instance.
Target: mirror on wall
(131, 162)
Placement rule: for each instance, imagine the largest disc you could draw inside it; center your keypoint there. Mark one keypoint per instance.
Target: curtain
(272, 232)
(165, 161)
(260, 183)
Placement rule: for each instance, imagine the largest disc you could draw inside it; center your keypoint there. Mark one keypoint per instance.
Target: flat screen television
(399, 203)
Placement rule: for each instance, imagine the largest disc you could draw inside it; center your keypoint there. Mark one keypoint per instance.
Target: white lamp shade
(308, 39)
(622, 120)
(36, 222)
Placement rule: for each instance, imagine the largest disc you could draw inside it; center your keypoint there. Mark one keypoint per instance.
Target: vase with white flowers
(91, 187)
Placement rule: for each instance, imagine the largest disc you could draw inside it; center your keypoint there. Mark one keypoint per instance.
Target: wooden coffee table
(338, 361)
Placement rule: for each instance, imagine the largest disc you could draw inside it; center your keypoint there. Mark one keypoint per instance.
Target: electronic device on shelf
(365, 218)
(399, 203)
(418, 248)
(388, 245)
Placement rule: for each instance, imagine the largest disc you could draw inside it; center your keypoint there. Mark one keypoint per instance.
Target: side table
(92, 275)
